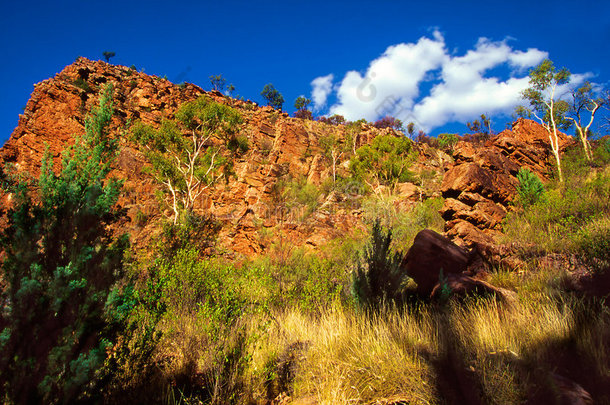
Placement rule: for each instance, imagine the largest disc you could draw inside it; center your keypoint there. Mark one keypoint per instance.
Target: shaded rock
(462, 285)
(429, 254)
(571, 393)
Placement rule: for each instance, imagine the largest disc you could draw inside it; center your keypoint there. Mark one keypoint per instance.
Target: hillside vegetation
(190, 257)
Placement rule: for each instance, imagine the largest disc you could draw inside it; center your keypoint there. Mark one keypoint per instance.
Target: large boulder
(429, 254)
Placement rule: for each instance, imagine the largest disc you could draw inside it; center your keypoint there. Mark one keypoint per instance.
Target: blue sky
(469, 56)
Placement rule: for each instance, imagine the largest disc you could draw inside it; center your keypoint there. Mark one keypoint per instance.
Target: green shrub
(568, 216)
(602, 152)
(300, 197)
(404, 224)
(447, 141)
(61, 310)
(594, 244)
(187, 166)
(82, 84)
(385, 160)
(379, 279)
(239, 144)
(530, 187)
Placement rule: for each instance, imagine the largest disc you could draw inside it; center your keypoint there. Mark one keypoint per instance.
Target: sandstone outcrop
(252, 214)
(482, 183)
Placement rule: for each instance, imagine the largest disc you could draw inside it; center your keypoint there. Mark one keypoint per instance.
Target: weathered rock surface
(462, 270)
(462, 285)
(429, 254)
(481, 185)
(252, 216)
(479, 182)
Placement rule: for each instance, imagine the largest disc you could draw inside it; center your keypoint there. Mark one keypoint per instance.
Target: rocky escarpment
(482, 183)
(479, 180)
(246, 204)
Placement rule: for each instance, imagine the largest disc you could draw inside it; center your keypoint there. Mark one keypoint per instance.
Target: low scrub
(571, 218)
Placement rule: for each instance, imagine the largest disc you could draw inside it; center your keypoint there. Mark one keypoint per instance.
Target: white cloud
(391, 80)
(322, 86)
(461, 87)
(527, 59)
(464, 92)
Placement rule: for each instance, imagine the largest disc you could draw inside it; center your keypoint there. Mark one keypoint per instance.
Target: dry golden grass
(351, 358)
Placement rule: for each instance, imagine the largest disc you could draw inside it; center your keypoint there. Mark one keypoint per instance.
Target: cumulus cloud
(391, 81)
(322, 86)
(460, 87)
(464, 92)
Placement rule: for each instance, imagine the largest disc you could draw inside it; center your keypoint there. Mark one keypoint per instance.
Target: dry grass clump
(350, 357)
(434, 354)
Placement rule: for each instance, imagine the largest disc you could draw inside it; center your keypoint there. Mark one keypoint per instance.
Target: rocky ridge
(478, 182)
(279, 147)
(481, 185)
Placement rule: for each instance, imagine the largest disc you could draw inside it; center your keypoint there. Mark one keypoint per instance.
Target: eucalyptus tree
(545, 104)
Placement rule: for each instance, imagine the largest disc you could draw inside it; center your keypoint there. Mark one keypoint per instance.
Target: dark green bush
(273, 97)
(82, 84)
(238, 144)
(61, 311)
(530, 187)
(379, 279)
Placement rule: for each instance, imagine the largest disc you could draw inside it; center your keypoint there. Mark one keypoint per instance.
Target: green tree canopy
(385, 160)
(301, 103)
(60, 266)
(545, 105)
(273, 97)
(181, 157)
(108, 55)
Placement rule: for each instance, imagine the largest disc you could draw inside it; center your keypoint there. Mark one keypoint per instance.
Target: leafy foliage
(332, 150)
(584, 101)
(108, 55)
(571, 218)
(385, 160)
(480, 129)
(380, 280)
(334, 119)
(218, 82)
(545, 105)
(530, 187)
(447, 141)
(388, 122)
(301, 104)
(273, 97)
(61, 263)
(303, 114)
(185, 165)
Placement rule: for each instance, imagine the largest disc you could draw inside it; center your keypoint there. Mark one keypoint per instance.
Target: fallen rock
(571, 393)
(429, 254)
(462, 285)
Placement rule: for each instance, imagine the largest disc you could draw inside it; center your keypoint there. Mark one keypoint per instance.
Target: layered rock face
(246, 203)
(479, 180)
(482, 184)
